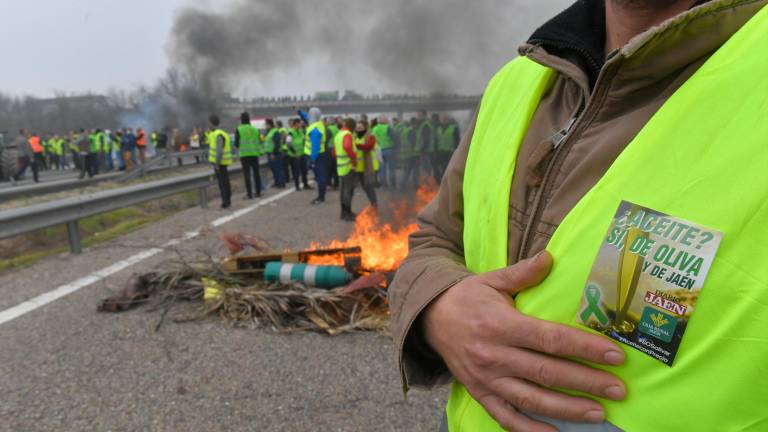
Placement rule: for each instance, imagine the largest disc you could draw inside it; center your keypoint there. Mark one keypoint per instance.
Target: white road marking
(23, 308)
(237, 214)
(51, 296)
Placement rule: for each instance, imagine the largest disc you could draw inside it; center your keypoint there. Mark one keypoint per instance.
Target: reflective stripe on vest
(308, 141)
(382, 136)
(250, 142)
(683, 164)
(226, 152)
(343, 162)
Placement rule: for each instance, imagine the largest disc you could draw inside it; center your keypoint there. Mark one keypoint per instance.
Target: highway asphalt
(65, 367)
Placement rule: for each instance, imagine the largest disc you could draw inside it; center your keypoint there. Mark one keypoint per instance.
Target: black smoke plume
(425, 46)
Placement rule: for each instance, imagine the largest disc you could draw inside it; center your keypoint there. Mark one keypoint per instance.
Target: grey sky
(80, 45)
(97, 45)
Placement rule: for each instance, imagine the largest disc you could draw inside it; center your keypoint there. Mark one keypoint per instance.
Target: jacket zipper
(562, 141)
(560, 136)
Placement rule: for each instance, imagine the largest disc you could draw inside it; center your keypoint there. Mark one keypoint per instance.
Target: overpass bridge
(400, 106)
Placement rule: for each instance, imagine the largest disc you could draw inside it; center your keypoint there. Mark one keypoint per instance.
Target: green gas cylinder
(315, 276)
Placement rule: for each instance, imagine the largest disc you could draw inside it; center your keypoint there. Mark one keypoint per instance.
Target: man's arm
(237, 138)
(368, 145)
(316, 138)
(349, 148)
(304, 116)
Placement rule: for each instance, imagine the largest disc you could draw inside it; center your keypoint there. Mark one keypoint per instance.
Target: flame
(384, 245)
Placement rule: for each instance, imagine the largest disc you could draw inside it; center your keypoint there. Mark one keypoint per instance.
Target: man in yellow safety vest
(595, 258)
(220, 157)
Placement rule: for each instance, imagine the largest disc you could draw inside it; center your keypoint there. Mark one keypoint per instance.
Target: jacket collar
(573, 42)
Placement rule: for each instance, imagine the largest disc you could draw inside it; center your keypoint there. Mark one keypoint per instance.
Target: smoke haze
(449, 46)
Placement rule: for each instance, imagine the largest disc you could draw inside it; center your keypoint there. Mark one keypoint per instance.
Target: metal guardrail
(159, 160)
(70, 210)
(46, 187)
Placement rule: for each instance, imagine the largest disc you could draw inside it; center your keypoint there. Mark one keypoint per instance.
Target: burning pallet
(348, 257)
(332, 288)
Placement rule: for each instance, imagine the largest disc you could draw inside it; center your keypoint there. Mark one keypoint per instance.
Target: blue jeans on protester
(321, 175)
(277, 166)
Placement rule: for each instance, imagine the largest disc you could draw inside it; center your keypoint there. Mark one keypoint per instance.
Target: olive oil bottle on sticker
(628, 275)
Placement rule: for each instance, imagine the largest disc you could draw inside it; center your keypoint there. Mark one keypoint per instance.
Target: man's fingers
(564, 341)
(510, 419)
(525, 274)
(559, 373)
(530, 398)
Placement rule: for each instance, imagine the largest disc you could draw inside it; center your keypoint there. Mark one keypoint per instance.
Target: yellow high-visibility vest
(343, 162)
(213, 137)
(703, 158)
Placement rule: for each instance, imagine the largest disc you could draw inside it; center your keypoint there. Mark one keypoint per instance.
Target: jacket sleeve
(237, 138)
(434, 264)
(304, 116)
(316, 137)
(349, 148)
(369, 145)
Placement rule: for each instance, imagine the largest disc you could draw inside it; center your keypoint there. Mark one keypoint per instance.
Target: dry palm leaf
(281, 307)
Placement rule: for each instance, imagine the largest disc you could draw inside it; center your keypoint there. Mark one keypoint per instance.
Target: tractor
(8, 158)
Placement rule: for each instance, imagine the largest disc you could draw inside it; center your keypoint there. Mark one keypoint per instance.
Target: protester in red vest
(141, 144)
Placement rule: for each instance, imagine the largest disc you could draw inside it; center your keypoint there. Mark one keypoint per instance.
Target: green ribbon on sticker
(593, 295)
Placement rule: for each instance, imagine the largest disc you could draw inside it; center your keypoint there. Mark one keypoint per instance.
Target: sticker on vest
(645, 281)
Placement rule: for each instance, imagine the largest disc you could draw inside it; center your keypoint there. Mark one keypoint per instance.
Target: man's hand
(509, 361)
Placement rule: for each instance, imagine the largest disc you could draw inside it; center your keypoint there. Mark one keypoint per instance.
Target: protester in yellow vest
(314, 148)
(650, 132)
(448, 138)
(295, 157)
(248, 142)
(367, 164)
(346, 161)
(220, 156)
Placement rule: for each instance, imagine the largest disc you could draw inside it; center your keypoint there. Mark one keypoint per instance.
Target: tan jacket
(610, 108)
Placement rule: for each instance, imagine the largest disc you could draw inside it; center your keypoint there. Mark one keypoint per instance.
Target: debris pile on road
(333, 288)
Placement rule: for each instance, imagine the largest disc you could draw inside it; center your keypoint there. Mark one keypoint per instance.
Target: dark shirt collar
(578, 35)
